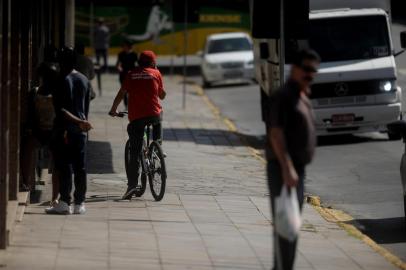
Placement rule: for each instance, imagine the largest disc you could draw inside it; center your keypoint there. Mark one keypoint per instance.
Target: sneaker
(79, 209)
(60, 208)
(129, 193)
(53, 203)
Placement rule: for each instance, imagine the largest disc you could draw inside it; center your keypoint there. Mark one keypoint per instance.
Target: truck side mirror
(263, 50)
(403, 39)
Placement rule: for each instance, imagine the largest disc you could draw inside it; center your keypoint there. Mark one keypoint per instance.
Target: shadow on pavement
(213, 137)
(148, 220)
(383, 231)
(227, 138)
(99, 157)
(103, 198)
(117, 198)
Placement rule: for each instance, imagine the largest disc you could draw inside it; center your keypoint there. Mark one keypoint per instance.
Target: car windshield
(229, 45)
(340, 39)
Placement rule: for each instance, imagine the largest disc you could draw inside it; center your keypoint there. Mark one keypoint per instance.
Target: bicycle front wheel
(157, 174)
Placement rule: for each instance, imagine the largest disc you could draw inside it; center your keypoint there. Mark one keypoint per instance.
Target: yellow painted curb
(332, 215)
(229, 124)
(341, 218)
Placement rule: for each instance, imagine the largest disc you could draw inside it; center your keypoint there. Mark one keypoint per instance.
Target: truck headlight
(387, 86)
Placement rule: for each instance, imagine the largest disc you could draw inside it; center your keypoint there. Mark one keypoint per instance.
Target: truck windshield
(340, 39)
(229, 45)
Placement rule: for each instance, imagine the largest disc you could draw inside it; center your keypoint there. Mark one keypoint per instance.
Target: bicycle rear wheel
(142, 185)
(157, 174)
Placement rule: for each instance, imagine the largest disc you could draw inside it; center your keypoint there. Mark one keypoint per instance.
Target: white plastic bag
(287, 214)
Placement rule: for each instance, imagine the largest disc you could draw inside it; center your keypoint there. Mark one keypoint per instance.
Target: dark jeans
(284, 251)
(121, 79)
(135, 131)
(70, 156)
(103, 54)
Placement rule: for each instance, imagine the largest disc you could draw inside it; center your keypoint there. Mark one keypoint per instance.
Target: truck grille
(344, 89)
(342, 100)
(232, 65)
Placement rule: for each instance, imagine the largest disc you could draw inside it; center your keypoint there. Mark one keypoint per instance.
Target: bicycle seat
(398, 128)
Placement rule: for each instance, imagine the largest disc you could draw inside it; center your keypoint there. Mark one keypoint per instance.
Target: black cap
(67, 57)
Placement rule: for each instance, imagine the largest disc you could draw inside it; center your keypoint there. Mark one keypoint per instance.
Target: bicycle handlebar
(120, 114)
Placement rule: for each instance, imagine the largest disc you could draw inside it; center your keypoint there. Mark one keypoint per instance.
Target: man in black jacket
(291, 142)
(71, 103)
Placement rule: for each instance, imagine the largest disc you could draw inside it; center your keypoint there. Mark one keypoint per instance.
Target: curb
(341, 219)
(229, 123)
(331, 215)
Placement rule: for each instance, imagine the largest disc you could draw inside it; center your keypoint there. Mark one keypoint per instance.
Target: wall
(24, 33)
(150, 26)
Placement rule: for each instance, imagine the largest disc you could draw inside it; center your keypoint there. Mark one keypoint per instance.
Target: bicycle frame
(144, 152)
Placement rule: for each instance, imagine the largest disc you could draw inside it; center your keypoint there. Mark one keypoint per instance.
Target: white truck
(355, 90)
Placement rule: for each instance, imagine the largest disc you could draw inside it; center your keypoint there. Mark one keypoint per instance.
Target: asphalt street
(357, 174)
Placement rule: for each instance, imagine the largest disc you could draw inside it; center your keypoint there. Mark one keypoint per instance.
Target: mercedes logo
(341, 89)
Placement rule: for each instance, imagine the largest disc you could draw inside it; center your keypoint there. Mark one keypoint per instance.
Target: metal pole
(282, 46)
(172, 45)
(184, 56)
(70, 23)
(91, 25)
(171, 60)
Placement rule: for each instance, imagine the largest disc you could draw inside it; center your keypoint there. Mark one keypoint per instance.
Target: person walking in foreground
(291, 142)
(125, 62)
(144, 87)
(71, 103)
(85, 65)
(101, 42)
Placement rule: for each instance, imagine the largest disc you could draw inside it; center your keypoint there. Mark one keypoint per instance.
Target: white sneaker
(79, 209)
(59, 208)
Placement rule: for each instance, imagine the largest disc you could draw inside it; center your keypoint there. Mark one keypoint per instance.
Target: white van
(355, 90)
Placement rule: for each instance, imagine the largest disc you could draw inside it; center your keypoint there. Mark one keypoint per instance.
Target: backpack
(44, 110)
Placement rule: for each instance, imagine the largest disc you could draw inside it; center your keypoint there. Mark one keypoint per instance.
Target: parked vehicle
(227, 57)
(356, 89)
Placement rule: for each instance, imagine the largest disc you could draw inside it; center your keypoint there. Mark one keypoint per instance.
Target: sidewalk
(215, 213)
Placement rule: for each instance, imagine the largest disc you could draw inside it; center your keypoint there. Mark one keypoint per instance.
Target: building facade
(27, 27)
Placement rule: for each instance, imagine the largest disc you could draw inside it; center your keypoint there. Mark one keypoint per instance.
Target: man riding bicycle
(144, 87)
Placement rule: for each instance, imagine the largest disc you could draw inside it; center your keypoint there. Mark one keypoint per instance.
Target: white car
(227, 57)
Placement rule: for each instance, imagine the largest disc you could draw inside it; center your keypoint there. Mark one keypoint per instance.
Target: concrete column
(70, 23)
(4, 119)
(14, 142)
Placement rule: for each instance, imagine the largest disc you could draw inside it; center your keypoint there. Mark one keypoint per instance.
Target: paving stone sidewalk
(215, 214)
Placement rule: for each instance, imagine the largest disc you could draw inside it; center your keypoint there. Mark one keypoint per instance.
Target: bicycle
(152, 165)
